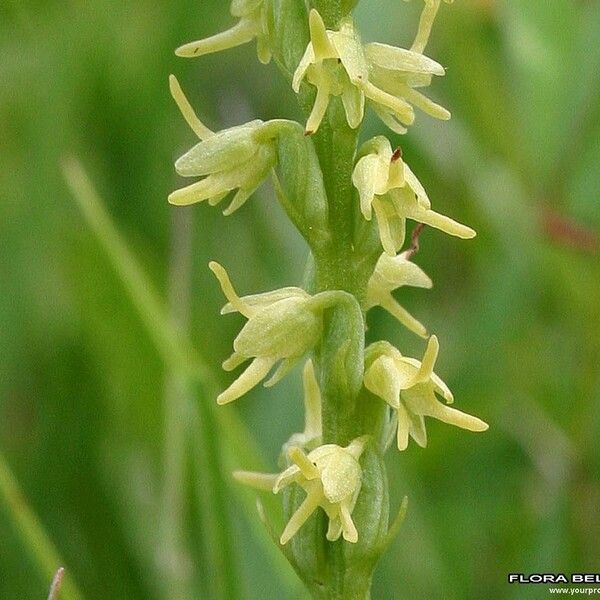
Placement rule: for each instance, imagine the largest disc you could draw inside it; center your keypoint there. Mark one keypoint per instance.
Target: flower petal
(252, 376)
(241, 33)
(305, 510)
(392, 58)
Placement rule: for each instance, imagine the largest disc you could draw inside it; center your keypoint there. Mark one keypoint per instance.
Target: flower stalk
(351, 205)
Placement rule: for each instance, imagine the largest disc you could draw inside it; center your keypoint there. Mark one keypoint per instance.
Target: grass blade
(31, 531)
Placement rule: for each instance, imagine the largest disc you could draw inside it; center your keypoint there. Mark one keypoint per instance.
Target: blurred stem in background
(173, 556)
(56, 584)
(189, 425)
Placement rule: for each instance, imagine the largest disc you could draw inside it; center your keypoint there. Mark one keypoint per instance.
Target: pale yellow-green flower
(338, 64)
(330, 475)
(386, 184)
(398, 72)
(282, 326)
(335, 64)
(391, 273)
(252, 24)
(410, 386)
(239, 158)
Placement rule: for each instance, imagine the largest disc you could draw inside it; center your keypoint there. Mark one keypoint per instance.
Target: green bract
(333, 482)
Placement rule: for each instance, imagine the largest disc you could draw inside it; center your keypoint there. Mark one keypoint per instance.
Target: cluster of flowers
(285, 325)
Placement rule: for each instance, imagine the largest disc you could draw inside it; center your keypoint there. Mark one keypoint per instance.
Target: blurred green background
(101, 433)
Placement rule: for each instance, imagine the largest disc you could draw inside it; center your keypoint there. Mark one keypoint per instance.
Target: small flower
(239, 158)
(392, 272)
(410, 388)
(282, 326)
(334, 63)
(337, 64)
(386, 184)
(332, 478)
(252, 24)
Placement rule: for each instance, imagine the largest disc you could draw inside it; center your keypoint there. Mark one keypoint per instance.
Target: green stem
(32, 532)
(343, 339)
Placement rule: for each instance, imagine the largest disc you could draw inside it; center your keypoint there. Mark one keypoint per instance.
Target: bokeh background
(122, 467)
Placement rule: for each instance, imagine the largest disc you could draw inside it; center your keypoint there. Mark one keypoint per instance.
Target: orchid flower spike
(239, 158)
(252, 15)
(391, 273)
(410, 386)
(282, 326)
(386, 184)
